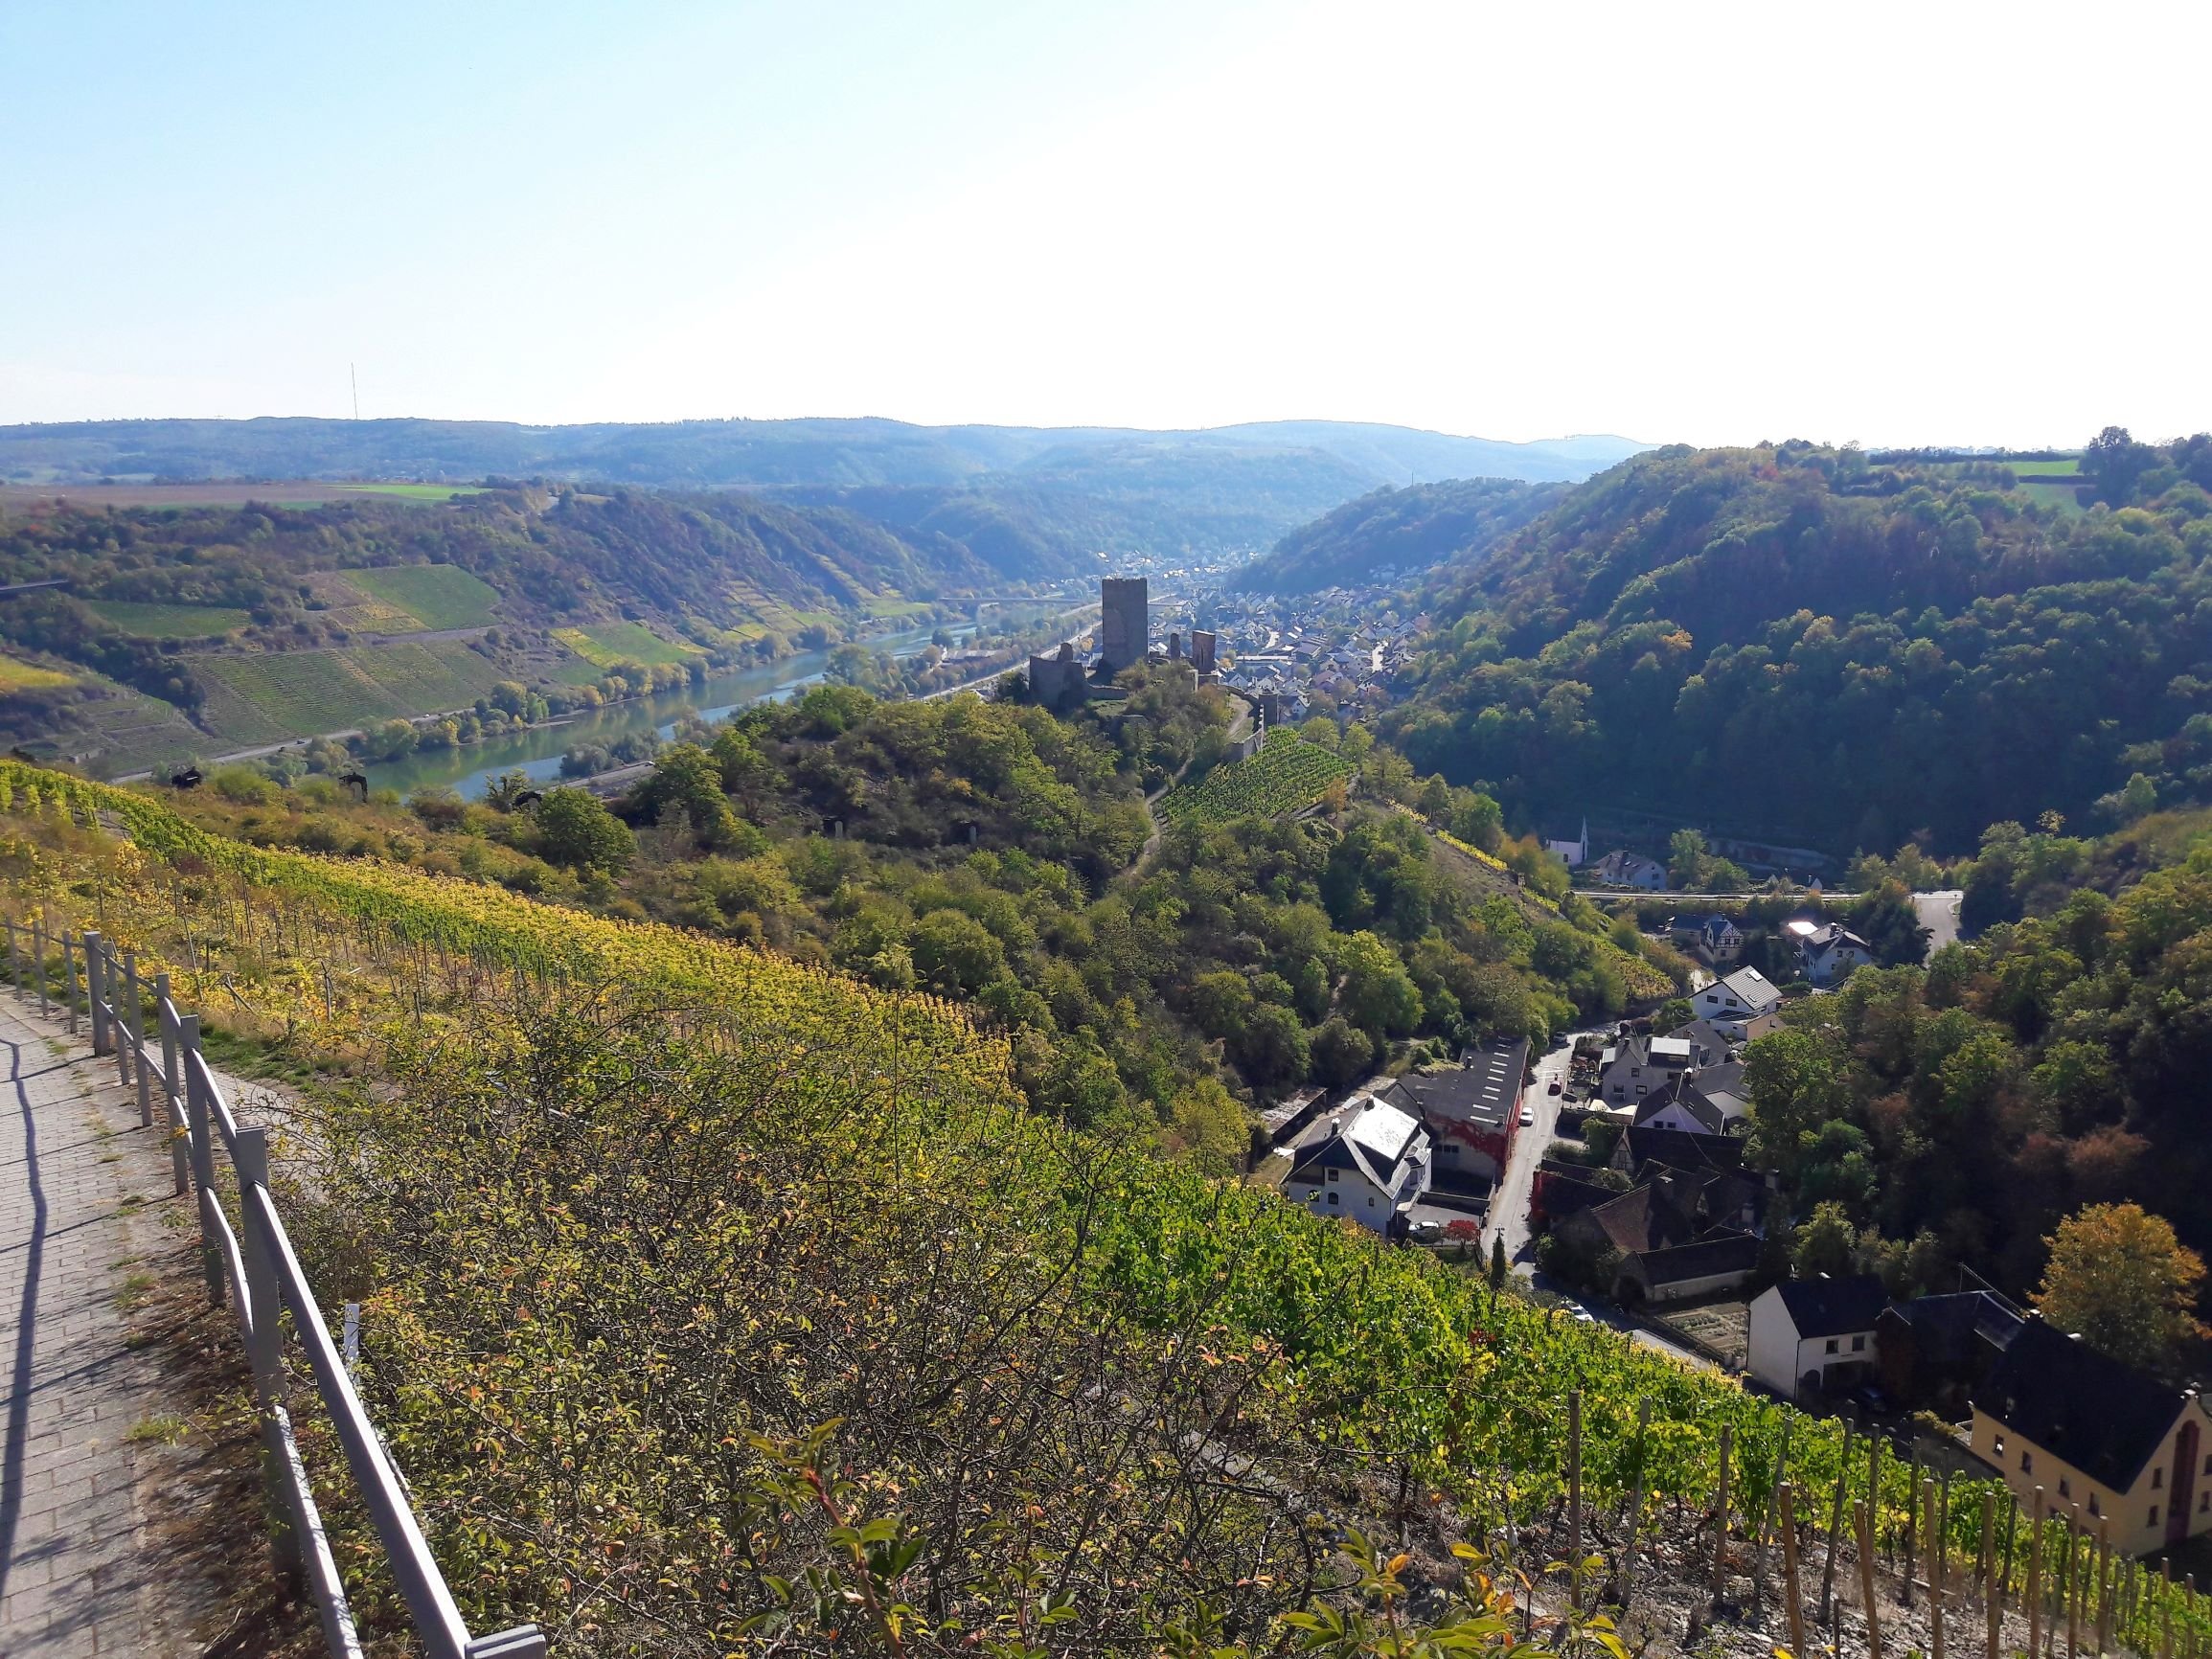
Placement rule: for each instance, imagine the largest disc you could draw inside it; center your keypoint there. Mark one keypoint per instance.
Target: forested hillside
(1400, 534)
(1789, 642)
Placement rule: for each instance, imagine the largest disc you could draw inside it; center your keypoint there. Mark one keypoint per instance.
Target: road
(1509, 1202)
(1938, 913)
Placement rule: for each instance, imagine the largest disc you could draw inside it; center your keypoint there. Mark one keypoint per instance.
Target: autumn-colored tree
(2120, 1280)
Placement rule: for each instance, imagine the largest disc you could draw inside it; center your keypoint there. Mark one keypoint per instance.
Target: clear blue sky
(1958, 224)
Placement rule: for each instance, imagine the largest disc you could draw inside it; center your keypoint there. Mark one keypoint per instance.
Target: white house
(1815, 1335)
(1633, 1067)
(1715, 938)
(1367, 1161)
(1734, 1002)
(1622, 869)
(1577, 854)
(1827, 951)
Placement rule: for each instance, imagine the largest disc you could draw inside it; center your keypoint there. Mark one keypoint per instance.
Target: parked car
(1527, 1116)
(1555, 1088)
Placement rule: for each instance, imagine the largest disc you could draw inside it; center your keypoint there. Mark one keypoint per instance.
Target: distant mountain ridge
(741, 453)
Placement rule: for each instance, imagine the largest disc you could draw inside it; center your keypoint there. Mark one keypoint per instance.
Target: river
(538, 751)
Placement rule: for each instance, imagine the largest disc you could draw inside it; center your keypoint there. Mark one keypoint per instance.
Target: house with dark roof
(1638, 1146)
(1813, 1336)
(1934, 1351)
(1367, 1161)
(2108, 1445)
(1717, 1263)
(1662, 1244)
(1634, 1066)
(1827, 951)
(1683, 1103)
(1470, 1110)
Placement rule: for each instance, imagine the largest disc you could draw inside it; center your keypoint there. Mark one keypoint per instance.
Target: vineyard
(681, 1263)
(1286, 775)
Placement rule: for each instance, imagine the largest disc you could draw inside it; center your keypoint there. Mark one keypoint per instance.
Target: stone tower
(1125, 621)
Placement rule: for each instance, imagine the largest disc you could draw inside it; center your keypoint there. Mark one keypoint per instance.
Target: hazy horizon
(1911, 228)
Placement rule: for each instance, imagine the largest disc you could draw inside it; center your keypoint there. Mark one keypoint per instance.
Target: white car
(1527, 1117)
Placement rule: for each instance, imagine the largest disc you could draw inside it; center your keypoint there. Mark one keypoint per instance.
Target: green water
(538, 751)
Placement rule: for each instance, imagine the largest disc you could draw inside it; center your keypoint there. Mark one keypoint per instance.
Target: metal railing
(263, 1276)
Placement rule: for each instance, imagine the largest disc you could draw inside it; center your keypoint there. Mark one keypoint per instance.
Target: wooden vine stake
(1575, 1499)
(1766, 1519)
(1991, 1597)
(1637, 1499)
(1834, 1528)
(1793, 1599)
(2071, 1595)
(2103, 1585)
(1934, 1571)
(1866, 1532)
(2036, 1577)
(1720, 1518)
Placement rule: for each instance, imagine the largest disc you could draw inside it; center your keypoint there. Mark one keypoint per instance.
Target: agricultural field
(411, 491)
(438, 596)
(603, 644)
(2069, 467)
(297, 493)
(263, 700)
(17, 676)
(168, 621)
(1286, 775)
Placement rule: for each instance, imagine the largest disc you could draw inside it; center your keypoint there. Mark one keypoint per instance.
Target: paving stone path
(84, 1191)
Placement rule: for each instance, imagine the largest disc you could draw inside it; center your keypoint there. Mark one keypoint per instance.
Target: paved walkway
(82, 1191)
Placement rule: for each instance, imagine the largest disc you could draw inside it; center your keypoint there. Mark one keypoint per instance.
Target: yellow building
(2113, 1449)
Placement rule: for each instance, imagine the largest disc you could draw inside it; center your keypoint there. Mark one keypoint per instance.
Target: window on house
(1371, 1200)
(1998, 1445)
(2157, 1479)
(2027, 1462)
(2204, 1503)
(2093, 1510)
(2154, 1520)
(2208, 1463)
(1832, 1345)
(1859, 1345)
(1335, 1198)
(2066, 1488)
(1334, 1174)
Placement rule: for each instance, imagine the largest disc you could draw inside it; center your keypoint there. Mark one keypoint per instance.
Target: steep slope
(1788, 642)
(1401, 531)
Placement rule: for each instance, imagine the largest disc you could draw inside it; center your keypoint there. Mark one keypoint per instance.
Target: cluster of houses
(1821, 953)
(1417, 1155)
(1305, 660)
(2113, 1450)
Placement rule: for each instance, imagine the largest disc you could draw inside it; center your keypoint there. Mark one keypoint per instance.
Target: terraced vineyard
(438, 596)
(264, 698)
(170, 621)
(1286, 775)
(603, 645)
(875, 1188)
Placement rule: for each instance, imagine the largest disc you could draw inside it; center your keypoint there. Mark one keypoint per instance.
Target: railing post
(69, 977)
(14, 961)
(118, 984)
(134, 1029)
(95, 1013)
(180, 1147)
(250, 1157)
(198, 1115)
(39, 960)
